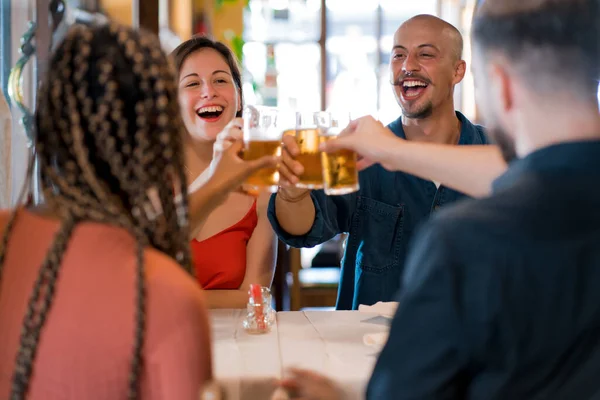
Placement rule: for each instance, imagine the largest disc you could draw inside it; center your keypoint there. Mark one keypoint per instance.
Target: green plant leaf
(237, 45)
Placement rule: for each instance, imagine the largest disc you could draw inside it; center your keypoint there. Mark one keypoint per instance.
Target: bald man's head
(453, 40)
(551, 42)
(426, 65)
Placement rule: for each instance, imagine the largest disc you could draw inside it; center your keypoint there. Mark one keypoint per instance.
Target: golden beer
(268, 177)
(310, 157)
(339, 171)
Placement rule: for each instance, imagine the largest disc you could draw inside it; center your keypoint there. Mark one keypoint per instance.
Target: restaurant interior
(339, 48)
(316, 55)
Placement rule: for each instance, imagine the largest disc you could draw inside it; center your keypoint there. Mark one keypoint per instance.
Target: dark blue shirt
(502, 295)
(380, 219)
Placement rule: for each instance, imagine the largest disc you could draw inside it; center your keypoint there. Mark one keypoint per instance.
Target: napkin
(385, 309)
(375, 339)
(280, 394)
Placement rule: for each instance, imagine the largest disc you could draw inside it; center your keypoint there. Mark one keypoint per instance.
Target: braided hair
(109, 140)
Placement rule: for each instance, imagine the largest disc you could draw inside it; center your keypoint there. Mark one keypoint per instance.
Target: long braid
(156, 77)
(109, 144)
(37, 309)
(140, 325)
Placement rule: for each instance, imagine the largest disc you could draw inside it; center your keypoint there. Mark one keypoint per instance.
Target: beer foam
(262, 135)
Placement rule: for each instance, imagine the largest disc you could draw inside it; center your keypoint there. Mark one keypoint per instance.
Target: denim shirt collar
(574, 157)
(468, 131)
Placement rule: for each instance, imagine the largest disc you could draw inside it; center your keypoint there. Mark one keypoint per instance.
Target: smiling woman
(235, 246)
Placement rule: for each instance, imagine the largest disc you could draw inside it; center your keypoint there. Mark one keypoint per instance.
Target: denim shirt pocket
(376, 232)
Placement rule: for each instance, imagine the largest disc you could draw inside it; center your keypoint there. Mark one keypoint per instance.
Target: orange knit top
(86, 345)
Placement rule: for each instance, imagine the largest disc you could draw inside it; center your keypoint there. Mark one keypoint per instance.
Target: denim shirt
(380, 219)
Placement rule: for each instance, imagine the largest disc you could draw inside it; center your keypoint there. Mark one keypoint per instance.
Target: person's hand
(230, 134)
(229, 171)
(309, 385)
(367, 137)
(290, 169)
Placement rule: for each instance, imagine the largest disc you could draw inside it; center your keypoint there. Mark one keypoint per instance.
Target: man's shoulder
(486, 232)
(396, 127)
(478, 134)
(471, 214)
(467, 239)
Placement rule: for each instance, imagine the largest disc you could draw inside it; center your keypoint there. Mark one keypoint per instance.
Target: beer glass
(340, 175)
(262, 137)
(309, 126)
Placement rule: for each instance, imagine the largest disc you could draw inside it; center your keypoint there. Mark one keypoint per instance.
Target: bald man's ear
(459, 71)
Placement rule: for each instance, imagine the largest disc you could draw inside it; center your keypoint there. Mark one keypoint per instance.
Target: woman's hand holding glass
(227, 170)
(228, 136)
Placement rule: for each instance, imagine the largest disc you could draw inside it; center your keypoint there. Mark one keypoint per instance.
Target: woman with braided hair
(97, 298)
(235, 246)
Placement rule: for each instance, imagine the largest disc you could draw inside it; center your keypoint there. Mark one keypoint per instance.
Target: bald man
(502, 295)
(381, 217)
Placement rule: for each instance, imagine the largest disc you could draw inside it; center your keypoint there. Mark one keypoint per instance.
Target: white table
(329, 342)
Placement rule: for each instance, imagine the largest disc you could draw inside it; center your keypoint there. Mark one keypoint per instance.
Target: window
(282, 37)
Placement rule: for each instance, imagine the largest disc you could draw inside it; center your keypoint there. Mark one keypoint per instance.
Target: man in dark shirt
(382, 216)
(502, 296)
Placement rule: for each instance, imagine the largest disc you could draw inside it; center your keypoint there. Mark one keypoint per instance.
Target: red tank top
(220, 260)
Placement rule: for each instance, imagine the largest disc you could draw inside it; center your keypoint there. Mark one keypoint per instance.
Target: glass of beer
(262, 137)
(340, 175)
(309, 126)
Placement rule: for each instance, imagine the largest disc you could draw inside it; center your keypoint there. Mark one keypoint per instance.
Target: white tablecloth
(329, 342)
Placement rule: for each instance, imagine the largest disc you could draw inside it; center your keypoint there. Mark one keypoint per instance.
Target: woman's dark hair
(109, 147)
(190, 46)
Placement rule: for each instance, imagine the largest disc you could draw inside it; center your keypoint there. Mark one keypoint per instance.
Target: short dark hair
(556, 40)
(199, 42)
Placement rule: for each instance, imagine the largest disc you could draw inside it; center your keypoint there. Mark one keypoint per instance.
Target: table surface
(329, 342)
